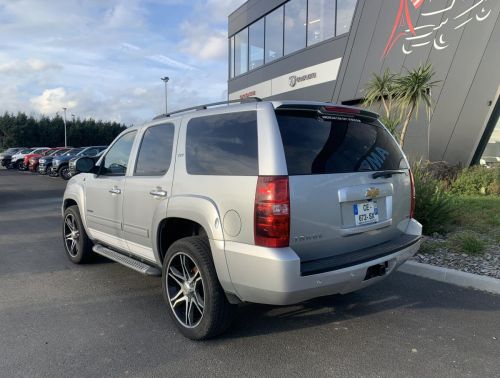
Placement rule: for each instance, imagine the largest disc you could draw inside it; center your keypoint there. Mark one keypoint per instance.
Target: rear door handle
(158, 193)
(115, 191)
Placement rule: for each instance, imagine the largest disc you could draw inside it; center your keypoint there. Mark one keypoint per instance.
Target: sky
(104, 58)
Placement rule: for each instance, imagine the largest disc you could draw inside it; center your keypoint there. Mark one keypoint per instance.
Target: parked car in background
(23, 166)
(6, 156)
(35, 158)
(265, 202)
(60, 164)
(18, 158)
(72, 163)
(45, 162)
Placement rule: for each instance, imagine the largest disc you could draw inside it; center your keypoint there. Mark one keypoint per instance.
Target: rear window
(314, 145)
(223, 144)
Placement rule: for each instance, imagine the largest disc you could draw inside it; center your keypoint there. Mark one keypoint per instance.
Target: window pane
(491, 154)
(345, 12)
(224, 144)
(256, 38)
(318, 146)
(295, 25)
(155, 152)
(116, 160)
(231, 58)
(274, 35)
(321, 23)
(241, 52)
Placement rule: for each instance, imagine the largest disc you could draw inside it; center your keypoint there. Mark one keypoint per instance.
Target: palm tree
(380, 88)
(410, 91)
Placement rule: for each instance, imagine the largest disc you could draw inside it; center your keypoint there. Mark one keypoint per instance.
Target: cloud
(52, 101)
(130, 46)
(159, 58)
(204, 42)
(28, 66)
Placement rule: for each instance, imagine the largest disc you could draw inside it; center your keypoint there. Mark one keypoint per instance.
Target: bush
(433, 206)
(467, 242)
(477, 180)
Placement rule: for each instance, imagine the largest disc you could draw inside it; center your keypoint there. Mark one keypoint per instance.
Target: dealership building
(327, 50)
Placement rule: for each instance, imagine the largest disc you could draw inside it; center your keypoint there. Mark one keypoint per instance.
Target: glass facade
(256, 38)
(321, 21)
(241, 52)
(295, 25)
(274, 35)
(491, 154)
(288, 28)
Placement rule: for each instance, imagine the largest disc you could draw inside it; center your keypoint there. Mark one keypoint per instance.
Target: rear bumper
(273, 276)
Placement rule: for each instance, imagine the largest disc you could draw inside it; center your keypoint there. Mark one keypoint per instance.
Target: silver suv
(266, 202)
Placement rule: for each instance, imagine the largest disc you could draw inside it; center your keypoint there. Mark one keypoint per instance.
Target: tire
(60, 170)
(64, 172)
(210, 313)
(77, 244)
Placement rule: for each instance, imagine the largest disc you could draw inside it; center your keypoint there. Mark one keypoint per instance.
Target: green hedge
(477, 180)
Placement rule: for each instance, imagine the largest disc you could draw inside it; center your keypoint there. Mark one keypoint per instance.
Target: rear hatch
(349, 181)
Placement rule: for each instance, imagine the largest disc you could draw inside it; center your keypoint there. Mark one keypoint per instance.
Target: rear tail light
(341, 109)
(272, 212)
(412, 195)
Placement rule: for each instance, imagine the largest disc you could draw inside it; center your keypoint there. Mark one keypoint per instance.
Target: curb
(452, 276)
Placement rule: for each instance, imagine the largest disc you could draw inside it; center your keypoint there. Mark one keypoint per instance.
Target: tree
(412, 90)
(381, 88)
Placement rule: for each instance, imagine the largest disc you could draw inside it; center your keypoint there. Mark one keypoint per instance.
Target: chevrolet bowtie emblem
(372, 192)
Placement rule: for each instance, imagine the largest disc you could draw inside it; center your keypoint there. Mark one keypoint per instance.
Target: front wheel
(64, 173)
(77, 244)
(196, 301)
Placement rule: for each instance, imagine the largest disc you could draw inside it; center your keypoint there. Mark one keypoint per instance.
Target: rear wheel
(196, 300)
(77, 244)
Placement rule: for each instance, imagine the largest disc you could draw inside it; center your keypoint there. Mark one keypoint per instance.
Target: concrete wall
(464, 54)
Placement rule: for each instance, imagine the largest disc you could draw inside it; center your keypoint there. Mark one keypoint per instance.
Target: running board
(129, 262)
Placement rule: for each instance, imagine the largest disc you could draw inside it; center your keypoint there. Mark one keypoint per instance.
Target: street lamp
(73, 116)
(65, 134)
(165, 80)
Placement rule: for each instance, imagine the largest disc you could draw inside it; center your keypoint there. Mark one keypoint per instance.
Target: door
(104, 193)
(148, 188)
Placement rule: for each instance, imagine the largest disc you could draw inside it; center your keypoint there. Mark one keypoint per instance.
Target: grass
(467, 242)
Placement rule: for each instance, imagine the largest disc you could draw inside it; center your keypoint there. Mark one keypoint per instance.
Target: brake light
(412, 195)
(341, 109)
(272, 212)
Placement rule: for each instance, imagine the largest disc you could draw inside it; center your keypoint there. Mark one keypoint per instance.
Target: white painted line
(452, 276)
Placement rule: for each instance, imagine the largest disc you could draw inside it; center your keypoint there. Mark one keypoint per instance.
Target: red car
(34, 158)
(26, 161)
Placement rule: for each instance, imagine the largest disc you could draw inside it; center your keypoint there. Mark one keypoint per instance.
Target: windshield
(26, 151)
(73, 151)
(60, 152)
(324, 144)
(11, 150)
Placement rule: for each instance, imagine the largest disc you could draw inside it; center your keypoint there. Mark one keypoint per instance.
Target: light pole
(165, 80)
(65, 134)
(73, 116)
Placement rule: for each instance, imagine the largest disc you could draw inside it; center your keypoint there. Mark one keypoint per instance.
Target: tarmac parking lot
(102, 319)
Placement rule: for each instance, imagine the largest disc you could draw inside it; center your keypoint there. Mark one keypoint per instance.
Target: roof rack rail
(206, 106)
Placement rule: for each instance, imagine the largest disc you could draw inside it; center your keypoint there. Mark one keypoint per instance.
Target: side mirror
(85, 165)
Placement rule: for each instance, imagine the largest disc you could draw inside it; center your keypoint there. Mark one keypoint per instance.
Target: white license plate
(365, 213)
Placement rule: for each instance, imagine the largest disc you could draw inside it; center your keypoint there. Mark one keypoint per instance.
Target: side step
(129, 262)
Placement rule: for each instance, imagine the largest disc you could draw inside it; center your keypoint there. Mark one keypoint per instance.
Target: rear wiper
(386, 174)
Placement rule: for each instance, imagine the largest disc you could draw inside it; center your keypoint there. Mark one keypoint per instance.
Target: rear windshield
(321, 145)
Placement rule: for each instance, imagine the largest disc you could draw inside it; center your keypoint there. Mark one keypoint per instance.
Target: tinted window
(274, 35)
(224, 144)
(317, 146)
(116, 160)
(231, 58)
(295, 25)
(241, 52)
(321, 20)
(155, 152)
(345, 11)
(256, 38)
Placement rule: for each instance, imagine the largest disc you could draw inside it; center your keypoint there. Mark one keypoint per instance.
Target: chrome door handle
(115, 191)
(158, 193)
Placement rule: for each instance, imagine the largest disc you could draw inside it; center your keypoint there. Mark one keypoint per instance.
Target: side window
(116, 160)
(155, 152)
(224, 144)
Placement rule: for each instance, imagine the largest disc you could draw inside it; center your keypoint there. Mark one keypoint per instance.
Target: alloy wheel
(71, 234)
(185, 290)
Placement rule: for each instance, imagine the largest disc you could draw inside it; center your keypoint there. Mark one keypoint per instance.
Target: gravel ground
(440, 254)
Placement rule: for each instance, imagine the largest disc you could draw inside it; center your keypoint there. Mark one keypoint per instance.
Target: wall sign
(452, 17)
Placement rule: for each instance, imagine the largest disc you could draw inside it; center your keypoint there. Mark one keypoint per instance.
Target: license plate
(365, 213)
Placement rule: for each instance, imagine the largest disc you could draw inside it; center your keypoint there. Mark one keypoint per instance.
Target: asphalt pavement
(62, 320)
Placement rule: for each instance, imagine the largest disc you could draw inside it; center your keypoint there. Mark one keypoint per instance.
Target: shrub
(433, 206)
(477, 180)
(467, 242)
